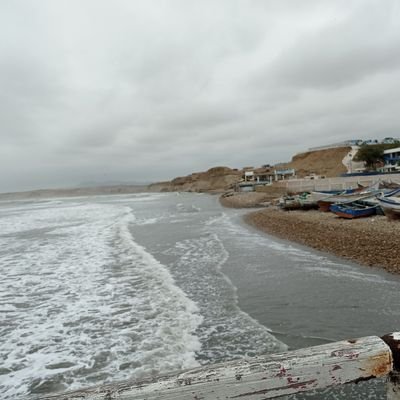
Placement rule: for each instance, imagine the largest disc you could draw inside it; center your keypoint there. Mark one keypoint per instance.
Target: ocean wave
(83, 303)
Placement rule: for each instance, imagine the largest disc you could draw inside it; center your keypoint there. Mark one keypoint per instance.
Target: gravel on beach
(373, 241)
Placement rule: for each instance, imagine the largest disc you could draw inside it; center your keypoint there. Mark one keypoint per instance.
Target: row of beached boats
(381, 198)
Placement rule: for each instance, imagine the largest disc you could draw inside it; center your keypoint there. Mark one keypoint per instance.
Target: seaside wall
(338, 183)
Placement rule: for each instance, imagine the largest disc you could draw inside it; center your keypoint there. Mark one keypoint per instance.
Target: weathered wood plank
(260, 377)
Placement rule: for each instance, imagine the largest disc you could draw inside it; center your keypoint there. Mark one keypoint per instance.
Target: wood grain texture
(260, 377)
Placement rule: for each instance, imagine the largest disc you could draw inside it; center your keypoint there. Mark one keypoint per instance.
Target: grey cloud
(114, 89)
(343, 53)
(203, 117)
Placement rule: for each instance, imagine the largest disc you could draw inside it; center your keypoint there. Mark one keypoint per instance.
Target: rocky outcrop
(217, 179)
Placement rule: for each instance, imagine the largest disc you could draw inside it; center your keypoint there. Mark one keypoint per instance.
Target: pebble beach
(373, 241)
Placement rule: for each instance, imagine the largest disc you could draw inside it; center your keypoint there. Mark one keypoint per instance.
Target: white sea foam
(216, 219)
(185, 208)
(226, 332)
(147, 221)
(132, 198)
(81, 302)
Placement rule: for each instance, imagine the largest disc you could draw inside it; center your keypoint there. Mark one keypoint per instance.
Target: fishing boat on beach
(321, 194)
(325, 204)
(302, 201)
(372, 202)
(289, 203)
(318, 198)
(307, 201)
(390, 204)
(353, 210)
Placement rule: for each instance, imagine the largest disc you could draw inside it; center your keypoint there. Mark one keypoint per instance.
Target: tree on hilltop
(372, 155)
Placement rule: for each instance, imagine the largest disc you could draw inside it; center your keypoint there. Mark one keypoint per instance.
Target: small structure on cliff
(263, 176)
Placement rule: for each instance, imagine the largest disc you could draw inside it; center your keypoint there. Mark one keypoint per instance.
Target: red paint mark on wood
(282, 372)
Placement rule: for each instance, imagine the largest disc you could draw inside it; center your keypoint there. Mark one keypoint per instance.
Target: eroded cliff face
(217, 179)
(326, 162)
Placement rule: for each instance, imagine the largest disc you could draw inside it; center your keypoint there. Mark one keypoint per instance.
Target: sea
(106, 288)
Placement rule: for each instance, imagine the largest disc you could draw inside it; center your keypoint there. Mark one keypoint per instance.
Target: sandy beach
(371, 241)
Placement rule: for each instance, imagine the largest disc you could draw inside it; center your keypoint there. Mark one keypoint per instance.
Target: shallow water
(100, 289)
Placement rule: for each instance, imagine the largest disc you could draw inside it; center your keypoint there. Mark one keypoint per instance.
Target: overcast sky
(129, 90)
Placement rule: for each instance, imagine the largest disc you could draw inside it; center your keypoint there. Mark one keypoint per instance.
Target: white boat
(390, 205)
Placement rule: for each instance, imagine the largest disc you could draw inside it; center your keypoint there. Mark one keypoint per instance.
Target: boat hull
(390, 207)
(391, 213)
(352, 212)
(325, 204)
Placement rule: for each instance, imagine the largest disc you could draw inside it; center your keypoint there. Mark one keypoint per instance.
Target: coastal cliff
(326, 162)
(217, 179)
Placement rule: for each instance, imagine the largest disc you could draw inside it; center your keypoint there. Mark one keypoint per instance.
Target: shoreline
(373, 241)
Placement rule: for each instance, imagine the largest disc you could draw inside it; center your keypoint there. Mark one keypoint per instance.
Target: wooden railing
(267, 377)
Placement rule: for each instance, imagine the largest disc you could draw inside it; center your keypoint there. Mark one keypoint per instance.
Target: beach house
(392, 160)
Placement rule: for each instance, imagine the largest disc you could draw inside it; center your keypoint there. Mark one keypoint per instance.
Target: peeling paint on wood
(260, 377)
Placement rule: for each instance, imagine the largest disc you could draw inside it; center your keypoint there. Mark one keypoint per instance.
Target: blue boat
(353, 210)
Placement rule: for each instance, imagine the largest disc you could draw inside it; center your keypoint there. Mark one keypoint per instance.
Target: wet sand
(373, 241)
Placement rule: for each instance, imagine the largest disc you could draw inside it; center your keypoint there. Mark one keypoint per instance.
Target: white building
(392, 160)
